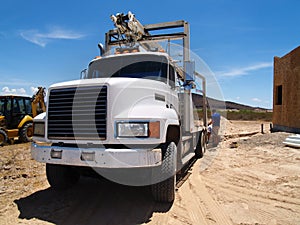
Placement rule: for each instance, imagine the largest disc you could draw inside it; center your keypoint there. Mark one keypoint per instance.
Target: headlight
(132, 129)
(39, 129)
(138, 129)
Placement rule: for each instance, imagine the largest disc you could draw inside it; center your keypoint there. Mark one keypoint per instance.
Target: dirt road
(255, 183)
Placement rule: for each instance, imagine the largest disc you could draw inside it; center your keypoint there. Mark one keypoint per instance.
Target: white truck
(130, 117)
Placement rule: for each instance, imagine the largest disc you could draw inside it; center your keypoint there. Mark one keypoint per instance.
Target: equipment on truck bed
(135, 32)
(16, 115)
(128, 25)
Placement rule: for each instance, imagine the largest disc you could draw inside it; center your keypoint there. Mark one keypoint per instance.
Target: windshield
(3, 102)
(153, 67)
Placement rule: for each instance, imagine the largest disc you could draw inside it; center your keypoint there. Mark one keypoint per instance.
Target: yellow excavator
(16, 116)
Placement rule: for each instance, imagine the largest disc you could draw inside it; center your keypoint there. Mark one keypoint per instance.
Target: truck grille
(77, 113)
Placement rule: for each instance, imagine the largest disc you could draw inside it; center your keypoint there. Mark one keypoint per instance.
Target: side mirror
(101, 49)
(83, 74)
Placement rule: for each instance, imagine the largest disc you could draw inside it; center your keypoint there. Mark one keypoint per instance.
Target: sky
(45, 42)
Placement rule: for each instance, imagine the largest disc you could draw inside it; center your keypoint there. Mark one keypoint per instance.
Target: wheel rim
(29, 132)
(2, 138)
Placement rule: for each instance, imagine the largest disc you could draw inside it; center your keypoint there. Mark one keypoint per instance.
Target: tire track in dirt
(210, 208)
(257, 182)
(261, 196)
(293, 204)
(193, 205)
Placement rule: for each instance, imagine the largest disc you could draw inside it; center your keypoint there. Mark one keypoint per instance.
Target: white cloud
(19, 91)
(22, 91)
(42, 39)
(243, 70)
(33, 90)
(13, 91)
(256, 100)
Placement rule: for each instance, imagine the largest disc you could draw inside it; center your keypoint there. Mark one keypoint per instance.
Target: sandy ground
(257, 182)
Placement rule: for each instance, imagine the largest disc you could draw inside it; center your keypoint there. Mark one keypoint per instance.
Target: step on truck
(130, 117)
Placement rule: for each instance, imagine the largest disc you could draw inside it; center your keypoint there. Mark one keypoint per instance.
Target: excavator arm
(38, 98)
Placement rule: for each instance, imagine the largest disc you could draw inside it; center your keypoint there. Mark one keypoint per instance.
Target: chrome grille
(77, 113)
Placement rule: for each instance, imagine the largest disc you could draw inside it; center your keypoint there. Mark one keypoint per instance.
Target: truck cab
(14, 108)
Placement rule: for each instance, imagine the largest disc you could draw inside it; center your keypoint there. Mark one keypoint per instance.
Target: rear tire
(164, 191)
(3, 137)
(61, 177)
(26, 132)
(201, 145)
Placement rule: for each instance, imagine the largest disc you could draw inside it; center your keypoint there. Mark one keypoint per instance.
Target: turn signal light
(154, 129)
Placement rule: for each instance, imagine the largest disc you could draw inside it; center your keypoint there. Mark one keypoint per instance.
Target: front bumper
(97, 157)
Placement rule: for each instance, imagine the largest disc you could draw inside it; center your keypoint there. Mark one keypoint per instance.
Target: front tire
(26, 132)
(61, 177)
(3, 137)
(164, 191)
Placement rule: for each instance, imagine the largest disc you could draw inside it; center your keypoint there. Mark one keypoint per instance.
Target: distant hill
(214, 103)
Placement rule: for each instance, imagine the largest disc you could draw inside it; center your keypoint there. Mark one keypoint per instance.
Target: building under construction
(286, 92)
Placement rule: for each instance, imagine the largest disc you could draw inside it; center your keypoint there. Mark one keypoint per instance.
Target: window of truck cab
(154, 67)
(172, 79)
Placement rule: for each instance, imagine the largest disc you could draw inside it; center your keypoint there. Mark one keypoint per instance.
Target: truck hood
(129, 97)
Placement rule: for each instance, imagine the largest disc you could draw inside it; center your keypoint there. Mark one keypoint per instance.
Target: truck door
(8, 111)
(173, 92)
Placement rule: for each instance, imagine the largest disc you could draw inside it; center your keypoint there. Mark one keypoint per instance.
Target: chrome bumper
(97, 157)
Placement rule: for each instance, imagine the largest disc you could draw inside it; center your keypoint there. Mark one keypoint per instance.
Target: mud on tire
(164, 191)
(26, 133)
(3, 137)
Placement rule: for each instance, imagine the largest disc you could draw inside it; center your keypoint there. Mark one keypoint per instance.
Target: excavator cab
(16, 116)
(14, 109)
